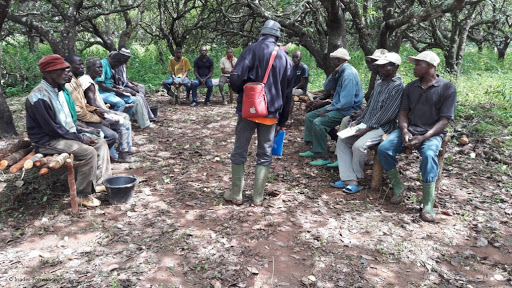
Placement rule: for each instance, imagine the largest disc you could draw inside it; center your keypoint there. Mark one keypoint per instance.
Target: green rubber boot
(259, 184)
(397, 185)
(237, 185)
(427, 214)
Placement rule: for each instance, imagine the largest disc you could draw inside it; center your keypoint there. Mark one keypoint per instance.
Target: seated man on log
(95, 117)
(379, 117)
(348, 97)
(133, 88)
(51, 129)
(178, 67)
(300, 75)
(203, 70)
(113, 94)
(227, 64)
(428, 104)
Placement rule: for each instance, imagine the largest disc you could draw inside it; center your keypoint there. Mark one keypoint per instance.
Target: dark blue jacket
(251, 67)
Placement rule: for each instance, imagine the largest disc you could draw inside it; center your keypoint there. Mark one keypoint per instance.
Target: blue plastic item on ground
(277, 146)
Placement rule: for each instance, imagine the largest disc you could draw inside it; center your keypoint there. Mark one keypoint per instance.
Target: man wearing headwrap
(51, 130)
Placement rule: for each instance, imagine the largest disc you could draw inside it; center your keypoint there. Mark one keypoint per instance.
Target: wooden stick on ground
(20, 164)
(72, 185)
(14, 158)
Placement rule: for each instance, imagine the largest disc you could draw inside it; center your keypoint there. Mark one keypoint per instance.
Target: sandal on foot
(351, 189)
(338, 184)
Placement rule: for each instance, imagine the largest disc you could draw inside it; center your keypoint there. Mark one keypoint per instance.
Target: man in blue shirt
(300, 75)
(203, 69)
(348, 97)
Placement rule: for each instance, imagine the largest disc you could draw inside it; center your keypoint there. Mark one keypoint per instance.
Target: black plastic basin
(120, 188)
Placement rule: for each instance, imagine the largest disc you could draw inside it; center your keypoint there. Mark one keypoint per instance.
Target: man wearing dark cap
(428, 105)
(51, 130)
(251, 67)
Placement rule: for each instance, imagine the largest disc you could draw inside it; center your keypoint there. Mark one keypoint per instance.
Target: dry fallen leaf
(253, 270)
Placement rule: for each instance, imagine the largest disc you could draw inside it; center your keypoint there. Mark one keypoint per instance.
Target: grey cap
(271, 27)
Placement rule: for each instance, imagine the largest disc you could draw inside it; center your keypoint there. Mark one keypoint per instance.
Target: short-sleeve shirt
(203, 68)
(300, 71)
(107, 76)
(227, 64)
(425, 107)
(178, 68)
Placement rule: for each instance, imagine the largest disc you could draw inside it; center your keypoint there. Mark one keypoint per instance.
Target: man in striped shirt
(377, 119)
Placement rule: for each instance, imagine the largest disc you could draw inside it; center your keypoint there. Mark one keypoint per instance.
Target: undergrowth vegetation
(484, 86)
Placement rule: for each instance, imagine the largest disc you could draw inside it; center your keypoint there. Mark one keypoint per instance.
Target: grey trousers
(139, 113)
(351, 153)
(243, 134)
(142, 95)
(94, 166)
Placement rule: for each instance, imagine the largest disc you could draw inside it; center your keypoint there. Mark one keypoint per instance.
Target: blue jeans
(168, 83)
(196, 84)
(392, 146)
(128, 100)
(112, 99)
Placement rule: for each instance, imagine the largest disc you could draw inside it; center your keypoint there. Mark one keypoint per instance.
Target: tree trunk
(502, 49)
(6, 121)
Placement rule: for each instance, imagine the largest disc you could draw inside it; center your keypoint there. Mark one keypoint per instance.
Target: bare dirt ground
(177, 231)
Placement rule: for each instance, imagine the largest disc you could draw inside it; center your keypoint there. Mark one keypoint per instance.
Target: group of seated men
(179, 68)
(414, 116)
(68, 113)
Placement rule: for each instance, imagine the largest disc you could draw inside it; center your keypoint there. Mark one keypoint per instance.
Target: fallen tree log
(44, 170)
(44, 160)
(18, 145)
(58, 161)
(14, 158)
(30, 162)
(20, 164)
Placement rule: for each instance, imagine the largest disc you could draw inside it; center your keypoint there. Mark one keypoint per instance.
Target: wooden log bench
(378, 171)
(25, 159)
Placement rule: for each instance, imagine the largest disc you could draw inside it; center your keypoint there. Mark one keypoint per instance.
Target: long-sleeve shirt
(251, 67)
(382, 109)
(48, 117)
(348, 96)
(83, 110)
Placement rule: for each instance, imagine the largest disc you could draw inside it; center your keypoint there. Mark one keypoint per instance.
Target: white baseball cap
(428, 56)
(377, 54)
(340, 53)
(389, 57)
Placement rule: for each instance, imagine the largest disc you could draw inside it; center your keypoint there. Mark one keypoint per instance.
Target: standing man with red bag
(251, 67)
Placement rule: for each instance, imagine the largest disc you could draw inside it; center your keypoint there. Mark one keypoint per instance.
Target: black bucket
(154, 110)
(120, 188)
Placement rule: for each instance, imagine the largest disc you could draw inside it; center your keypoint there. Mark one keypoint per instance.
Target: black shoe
(193, 104)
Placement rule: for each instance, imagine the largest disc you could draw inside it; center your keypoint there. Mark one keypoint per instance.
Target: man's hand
(203, 81)
(100, 113)
(415, 142)
(323, 113)
(362, 132)
(406, 137)
(104, 123)
(316, 104)
(88, 140)
(279, 128)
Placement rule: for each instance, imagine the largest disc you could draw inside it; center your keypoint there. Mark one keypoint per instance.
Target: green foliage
(484, 87)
